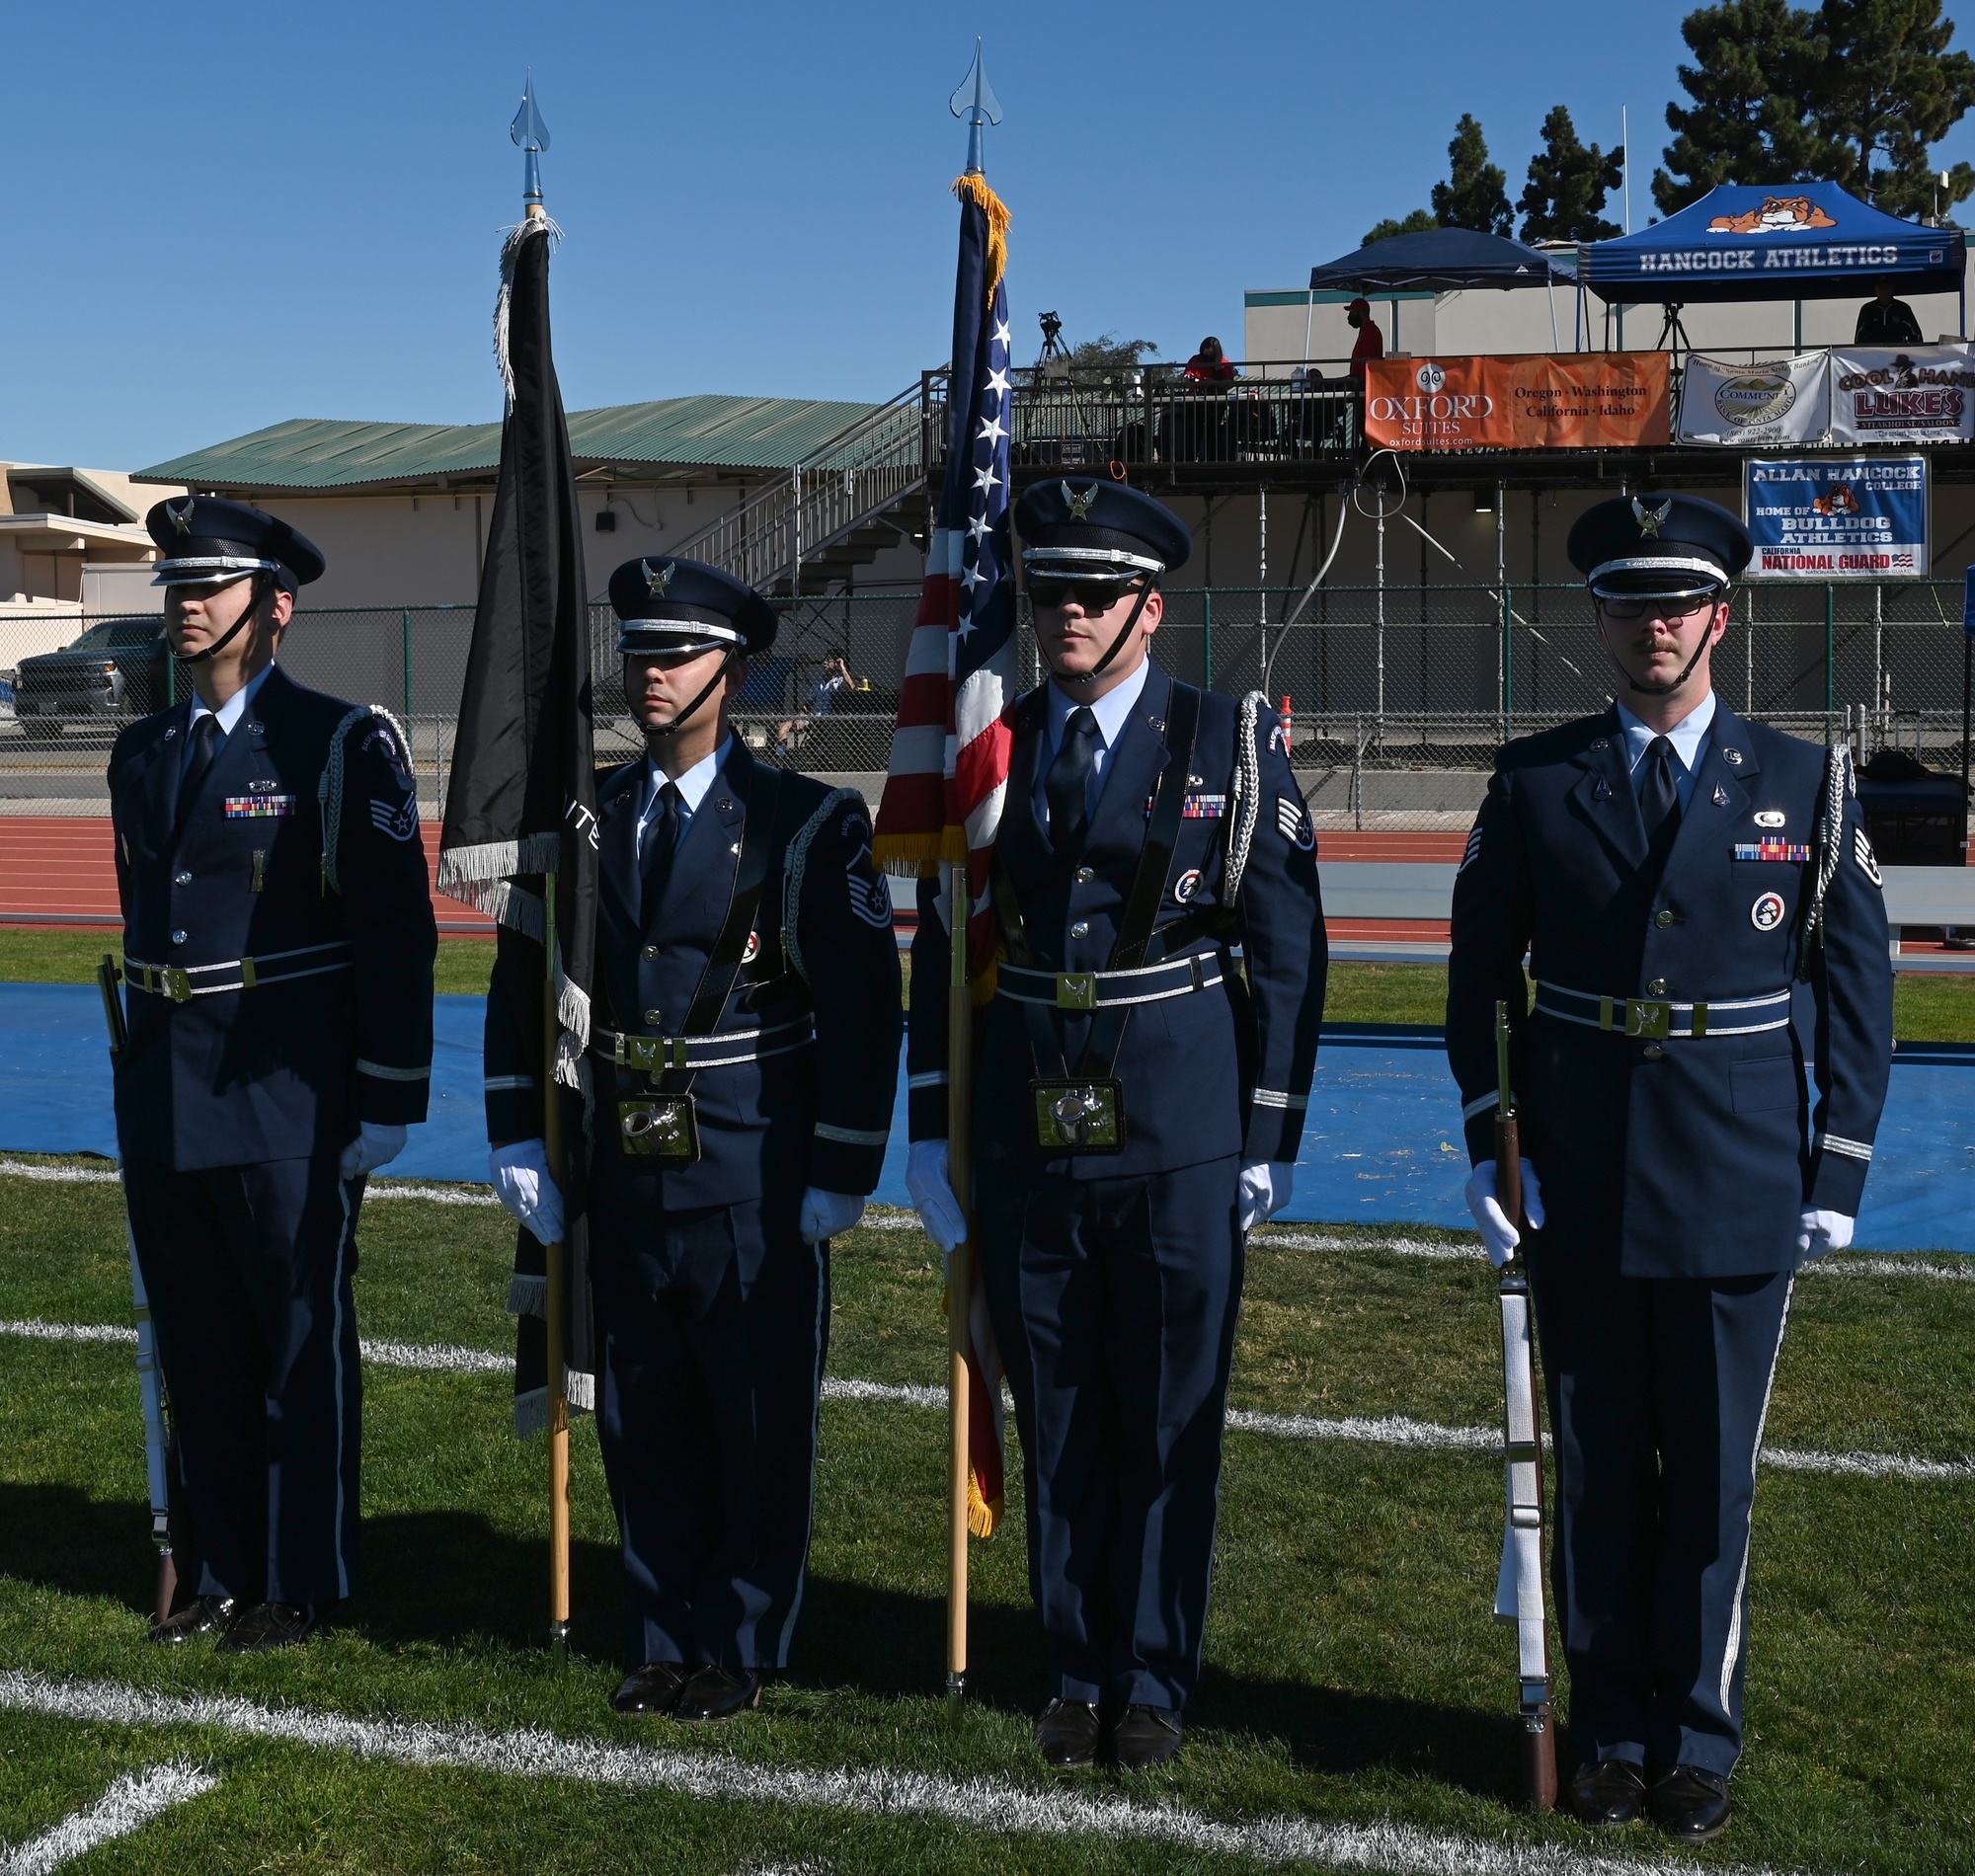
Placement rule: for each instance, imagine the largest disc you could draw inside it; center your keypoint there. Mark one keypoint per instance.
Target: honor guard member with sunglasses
(278, 940)
(1139, 1102)
(1672, 871)
(745, 1054)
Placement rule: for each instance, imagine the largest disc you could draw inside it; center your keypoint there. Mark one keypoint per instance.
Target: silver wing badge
(1651, 520)
(1080, 505)
(656, 581)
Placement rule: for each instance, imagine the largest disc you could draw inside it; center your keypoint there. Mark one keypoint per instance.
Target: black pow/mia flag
(519, 840)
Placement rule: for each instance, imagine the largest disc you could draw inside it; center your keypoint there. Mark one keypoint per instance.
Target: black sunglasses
(1093, 595)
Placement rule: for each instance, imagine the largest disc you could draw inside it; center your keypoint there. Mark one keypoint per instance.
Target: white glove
(1265, 1189)
(375, 1145)
(1821, 1231)
(826, 1213)
(523, 1184)
(932, 1194)
(1500, 1236)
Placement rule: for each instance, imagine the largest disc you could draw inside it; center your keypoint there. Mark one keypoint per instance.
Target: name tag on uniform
(259, 807)
(1772, 851)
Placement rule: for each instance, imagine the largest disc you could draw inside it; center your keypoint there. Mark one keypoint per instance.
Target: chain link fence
(1397, 697)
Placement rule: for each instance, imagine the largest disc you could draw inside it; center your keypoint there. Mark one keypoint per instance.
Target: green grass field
(1354, 1675)
(1934, 1009)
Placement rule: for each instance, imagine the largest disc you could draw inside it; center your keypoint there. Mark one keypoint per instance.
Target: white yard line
(973, 1805)
(130, 1803)
(1387, 1430)
(884, 1218)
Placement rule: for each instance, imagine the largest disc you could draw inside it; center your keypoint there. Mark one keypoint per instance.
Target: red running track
(61, 870)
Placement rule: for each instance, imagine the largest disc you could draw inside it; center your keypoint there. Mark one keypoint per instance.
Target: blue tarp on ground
(1792, 240)
(1382, 1144)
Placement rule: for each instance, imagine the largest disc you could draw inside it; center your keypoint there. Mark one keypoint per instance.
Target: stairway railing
(839, 487)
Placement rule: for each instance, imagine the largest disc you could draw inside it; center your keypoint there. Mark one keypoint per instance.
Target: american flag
(949, 769)
(950, 752)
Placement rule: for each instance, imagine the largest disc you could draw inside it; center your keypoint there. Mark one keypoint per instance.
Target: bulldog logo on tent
(1778, 214)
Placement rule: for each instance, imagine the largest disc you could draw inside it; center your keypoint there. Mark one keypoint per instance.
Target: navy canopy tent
(1439, 261)
(1790, 241)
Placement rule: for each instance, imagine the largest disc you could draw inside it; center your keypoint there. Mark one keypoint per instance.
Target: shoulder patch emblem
(1766, 913)
(1861, 851)
(1293, 825)
(400, 822)
(1473, 852)
(870, 890)
(754, 949)
(1186, 885)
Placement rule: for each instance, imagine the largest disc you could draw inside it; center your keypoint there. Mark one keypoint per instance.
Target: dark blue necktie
(1067, 787)
(655, 860)
(1659, 801)
(206, 742)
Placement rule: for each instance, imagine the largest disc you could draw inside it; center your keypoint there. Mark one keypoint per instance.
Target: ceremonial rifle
(149, 1382)
(1519, 1590)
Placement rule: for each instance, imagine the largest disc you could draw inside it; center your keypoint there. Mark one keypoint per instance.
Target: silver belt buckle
(1076, 990)
(1648, 1018)
(646, 1053)
(177, 982)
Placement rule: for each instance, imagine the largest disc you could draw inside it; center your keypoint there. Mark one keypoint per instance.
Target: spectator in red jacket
(1210, 364)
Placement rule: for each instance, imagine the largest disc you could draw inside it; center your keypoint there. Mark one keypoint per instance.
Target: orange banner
(1565, 400)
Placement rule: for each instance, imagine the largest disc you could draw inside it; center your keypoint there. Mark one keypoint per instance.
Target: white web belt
(182, 982)
(654, 1055)
(1659, 1018)
(1101, 989)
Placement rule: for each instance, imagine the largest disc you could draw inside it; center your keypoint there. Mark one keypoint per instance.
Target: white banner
(1913, 393)
(1784, 401)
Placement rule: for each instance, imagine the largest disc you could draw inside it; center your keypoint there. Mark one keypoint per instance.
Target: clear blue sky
(221, 216)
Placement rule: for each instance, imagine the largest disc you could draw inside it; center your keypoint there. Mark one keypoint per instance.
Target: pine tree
(1420, 221)
(1477, 194)
(1568, 185)
(1890, 88)
(1759, 67)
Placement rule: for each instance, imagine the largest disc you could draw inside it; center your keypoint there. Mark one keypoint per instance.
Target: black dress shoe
(652, 1688)
(1144, 1737)
(1608, 1791)
(712, 1693)
(253, 1631)
(1066, 1733)
(1690, 1805)
(201, 1616)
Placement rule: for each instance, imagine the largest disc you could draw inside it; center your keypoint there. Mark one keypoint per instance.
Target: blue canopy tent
(1439, 261)
(1794, 241)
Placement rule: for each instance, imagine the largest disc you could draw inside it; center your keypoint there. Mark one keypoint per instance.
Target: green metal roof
(714, 433)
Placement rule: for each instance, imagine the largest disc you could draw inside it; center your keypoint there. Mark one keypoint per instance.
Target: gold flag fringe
(973, 187)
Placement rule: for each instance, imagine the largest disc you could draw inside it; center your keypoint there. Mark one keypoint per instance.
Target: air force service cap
(1084, 528)
(668, 605)
(205, 540)
(1658, 547)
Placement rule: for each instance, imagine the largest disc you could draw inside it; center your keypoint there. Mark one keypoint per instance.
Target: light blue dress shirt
(227, 715)
(693, 787)
(1113, 711)
(1688, 738)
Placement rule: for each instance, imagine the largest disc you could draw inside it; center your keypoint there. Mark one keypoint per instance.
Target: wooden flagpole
(959, 1281)
(556, 1259)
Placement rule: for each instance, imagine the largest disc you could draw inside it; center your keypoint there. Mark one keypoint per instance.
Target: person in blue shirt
(745, 1056)
(1701, 909)
(278, 945)
(1138, 1101)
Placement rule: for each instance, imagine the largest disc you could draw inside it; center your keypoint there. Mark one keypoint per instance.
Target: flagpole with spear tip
(977, 105)
(531, 134)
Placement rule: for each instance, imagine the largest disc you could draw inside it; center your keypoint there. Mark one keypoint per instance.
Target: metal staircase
(835, 511)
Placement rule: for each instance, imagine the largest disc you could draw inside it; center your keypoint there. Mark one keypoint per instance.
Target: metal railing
(1397, 697)
(839, 487)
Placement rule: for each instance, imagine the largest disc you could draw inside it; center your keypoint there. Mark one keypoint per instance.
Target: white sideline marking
(971, 1804)
(1440, 1250)
(1387, 1430)
(129, 1804)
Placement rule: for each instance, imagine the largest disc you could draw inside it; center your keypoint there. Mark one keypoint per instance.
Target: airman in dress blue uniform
(279, 941)
(1139, 1102)
(1701, 909)
(746, 1028)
